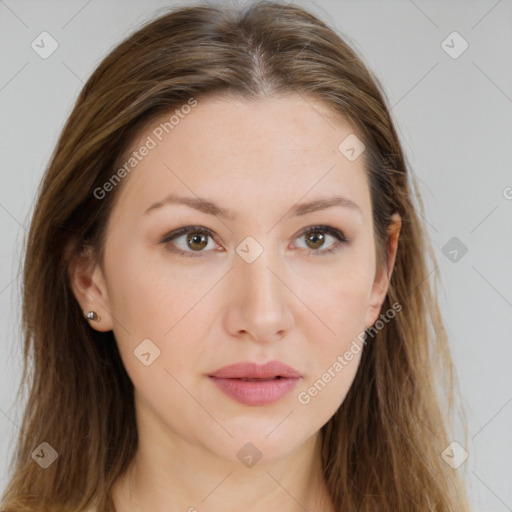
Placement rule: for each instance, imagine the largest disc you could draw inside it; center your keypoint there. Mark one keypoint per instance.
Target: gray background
(454, 116)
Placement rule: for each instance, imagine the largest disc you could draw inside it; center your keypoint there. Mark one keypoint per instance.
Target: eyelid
(330, 230)
(188, 229)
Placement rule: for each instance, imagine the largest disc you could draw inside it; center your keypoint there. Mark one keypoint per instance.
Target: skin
(291, 304)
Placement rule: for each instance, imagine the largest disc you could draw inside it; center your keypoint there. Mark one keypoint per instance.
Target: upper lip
(255, 371)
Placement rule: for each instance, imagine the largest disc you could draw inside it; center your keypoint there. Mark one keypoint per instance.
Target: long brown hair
(382, 448)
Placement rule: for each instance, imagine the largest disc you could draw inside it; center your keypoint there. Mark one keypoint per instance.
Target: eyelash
(338, 235)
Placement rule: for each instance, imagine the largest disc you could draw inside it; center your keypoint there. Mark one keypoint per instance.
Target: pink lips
(252, 384)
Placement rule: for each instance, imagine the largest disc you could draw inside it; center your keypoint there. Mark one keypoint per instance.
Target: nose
(259, 304)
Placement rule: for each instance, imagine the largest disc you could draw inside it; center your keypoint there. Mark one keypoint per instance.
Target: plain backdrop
(453, 110)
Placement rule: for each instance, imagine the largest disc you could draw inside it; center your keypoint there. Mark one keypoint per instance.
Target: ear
(383, 274)
(88, 285)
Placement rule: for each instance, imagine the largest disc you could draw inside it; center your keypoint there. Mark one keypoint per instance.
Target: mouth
(252, 384)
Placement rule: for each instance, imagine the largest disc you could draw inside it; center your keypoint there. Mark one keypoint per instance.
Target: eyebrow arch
(210, 208)
(198, 203)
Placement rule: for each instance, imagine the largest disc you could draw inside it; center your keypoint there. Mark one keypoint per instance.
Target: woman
(226, 299)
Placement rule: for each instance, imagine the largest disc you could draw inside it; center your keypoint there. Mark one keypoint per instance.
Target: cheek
(342, 310)
(339, 299)
(321, 395)
(337, 292)
(148, 295)
(336, 354)
(156, 311)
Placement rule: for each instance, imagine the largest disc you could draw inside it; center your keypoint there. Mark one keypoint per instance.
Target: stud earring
(92, 315)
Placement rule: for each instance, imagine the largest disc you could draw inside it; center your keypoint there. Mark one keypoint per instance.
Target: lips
(253, 371)
(253, 384)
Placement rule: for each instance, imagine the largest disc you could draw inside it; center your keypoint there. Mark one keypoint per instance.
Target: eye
(195, 239)
(316, 237)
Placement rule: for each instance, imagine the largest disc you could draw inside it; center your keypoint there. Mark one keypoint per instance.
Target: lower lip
(256, 392)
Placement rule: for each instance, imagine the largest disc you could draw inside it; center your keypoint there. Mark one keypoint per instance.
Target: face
(254, 276)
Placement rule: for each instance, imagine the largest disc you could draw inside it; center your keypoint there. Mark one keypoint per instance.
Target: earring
(92, 315)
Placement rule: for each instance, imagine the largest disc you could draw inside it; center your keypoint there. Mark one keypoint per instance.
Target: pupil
(315, 238)
(197, 239)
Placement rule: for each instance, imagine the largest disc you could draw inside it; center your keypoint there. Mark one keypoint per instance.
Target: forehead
(226, 145)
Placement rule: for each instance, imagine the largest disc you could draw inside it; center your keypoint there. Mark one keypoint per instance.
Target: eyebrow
(210, 208)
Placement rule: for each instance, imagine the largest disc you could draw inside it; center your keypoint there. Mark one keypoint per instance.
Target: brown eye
(315, 239)
(189, 241)
(197, 241)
